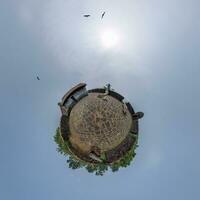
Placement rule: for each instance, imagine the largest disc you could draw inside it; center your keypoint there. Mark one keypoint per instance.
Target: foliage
(103, 157)
(124, 161)
(97, 168)
(63, 146)
(74, 164)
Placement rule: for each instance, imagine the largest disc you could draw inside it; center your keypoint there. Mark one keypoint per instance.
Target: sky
(154, 62)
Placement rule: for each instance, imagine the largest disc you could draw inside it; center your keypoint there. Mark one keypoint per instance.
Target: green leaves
(63, 146)
(103, 157)
(74, 164)
(115, 167)
(98, 168)
(124, 161)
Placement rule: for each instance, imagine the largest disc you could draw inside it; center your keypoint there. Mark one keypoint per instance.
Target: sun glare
(110, 38)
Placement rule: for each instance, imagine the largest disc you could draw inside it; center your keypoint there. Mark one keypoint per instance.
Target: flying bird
(38, 78)
(86, 15)
(103, 15)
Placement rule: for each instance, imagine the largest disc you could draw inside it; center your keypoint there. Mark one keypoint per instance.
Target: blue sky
(155, 65)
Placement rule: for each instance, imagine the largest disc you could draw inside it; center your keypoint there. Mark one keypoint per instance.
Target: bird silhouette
(86, 15)
(38, 78)
(103, 15)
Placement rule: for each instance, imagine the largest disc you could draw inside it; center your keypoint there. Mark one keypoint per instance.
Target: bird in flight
(38, 78)
(103, 15)
(86, 15)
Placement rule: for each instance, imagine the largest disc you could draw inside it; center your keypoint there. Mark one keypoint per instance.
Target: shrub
(63, 146)
(97, 168)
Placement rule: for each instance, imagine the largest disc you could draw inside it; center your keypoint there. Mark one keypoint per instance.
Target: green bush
(124, 161)
(63, 146)
(74, 164)
(97, 168)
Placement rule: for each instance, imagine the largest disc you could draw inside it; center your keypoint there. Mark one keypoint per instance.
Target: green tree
(97, 168)
(63, 146)
(74, 164)
(91, 168)
(115, 167)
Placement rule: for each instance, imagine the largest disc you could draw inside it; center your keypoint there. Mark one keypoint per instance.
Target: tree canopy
(98, 168)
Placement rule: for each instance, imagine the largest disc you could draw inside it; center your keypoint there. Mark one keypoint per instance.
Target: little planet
(98, 129)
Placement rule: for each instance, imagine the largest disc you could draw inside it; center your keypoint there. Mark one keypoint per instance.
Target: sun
(110, 38)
